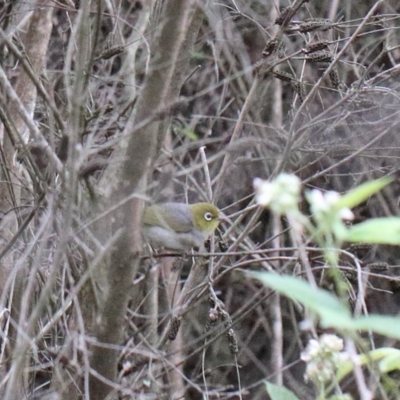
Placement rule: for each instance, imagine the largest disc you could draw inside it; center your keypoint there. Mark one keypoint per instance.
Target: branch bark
(139, 153)
(35, 42)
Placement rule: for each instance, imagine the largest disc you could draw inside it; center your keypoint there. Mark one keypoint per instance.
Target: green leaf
(391, 362)
(363, 192)
(189, 133)
(388, 356)
(279, 392)
(382, 324)
(331, 311)
(338, 397)
(375, 230)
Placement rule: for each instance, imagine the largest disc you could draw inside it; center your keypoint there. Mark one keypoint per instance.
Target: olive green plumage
(179, 226)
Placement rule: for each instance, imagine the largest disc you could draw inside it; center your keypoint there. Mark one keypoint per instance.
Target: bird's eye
(208, 216)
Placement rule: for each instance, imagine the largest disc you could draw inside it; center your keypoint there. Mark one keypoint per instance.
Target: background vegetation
(106, 105)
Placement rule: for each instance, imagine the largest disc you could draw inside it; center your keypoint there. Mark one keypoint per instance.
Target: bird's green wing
(173, 216)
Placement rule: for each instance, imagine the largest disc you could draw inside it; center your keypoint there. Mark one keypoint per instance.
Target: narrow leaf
(391, 362)
(388, 356)
(324, 304)
(331, 311)
(361, 193)
(375, 230)
(382, 324)
(279, 392)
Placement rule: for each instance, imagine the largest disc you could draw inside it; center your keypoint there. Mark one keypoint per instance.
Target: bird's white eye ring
(208, 216)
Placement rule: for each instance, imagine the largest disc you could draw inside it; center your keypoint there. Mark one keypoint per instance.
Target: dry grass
(104, 106)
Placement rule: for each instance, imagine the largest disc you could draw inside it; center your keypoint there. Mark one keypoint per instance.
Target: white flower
(332, 198)
(320, 370)
(288, 183)
(264, 192)
(311, 351)
(342, 358)
(324, 206)
(323, 357)
(282, 194)
(346, 214)
(331, 343)
(317, 200)
(323, 202)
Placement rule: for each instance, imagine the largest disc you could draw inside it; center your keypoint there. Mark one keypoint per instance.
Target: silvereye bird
(179, 226)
